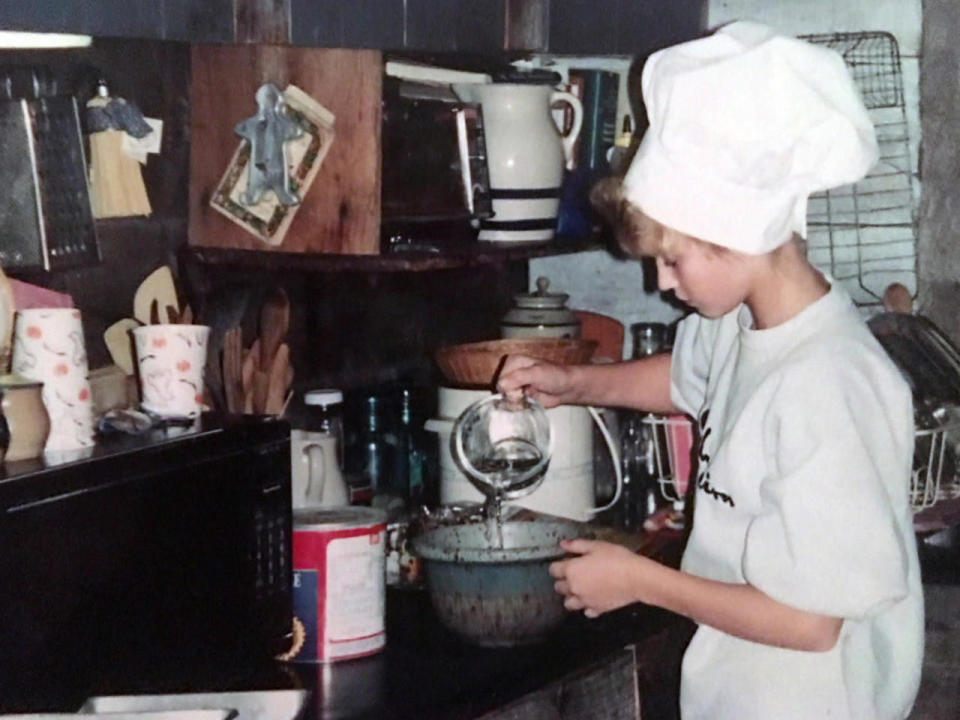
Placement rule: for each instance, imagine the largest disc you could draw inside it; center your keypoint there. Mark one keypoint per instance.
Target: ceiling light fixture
(16, 40)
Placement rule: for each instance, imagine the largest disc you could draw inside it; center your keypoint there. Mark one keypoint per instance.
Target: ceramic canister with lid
(540, 314)
(338, 583)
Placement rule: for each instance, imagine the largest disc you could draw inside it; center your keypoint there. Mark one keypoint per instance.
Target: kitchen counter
(426, 672)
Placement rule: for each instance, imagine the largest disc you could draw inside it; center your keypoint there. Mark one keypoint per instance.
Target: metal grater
(46, 221)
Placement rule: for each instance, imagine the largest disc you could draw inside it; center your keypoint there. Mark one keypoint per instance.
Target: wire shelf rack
(864, 235)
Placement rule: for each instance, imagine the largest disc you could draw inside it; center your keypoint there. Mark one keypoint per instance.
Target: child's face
(710, 279)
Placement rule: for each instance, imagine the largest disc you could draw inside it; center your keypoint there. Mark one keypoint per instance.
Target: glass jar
(374, 446)
(325, 415)
(649, 338)
(411, 456)
(641, 496)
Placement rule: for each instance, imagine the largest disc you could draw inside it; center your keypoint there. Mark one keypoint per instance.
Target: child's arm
(607, 576)
(640, 384)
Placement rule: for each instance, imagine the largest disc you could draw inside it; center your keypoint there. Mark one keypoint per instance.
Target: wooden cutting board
(341, 211)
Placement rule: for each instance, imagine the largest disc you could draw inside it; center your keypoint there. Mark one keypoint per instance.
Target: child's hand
(547, 383)
(605, 576)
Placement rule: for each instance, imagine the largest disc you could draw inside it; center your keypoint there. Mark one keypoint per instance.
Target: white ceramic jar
(540, 314)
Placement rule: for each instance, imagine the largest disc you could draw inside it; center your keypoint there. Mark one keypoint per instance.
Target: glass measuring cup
(503, 447)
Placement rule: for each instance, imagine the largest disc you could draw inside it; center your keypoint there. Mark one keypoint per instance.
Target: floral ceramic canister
(170, 360)
(48, 346)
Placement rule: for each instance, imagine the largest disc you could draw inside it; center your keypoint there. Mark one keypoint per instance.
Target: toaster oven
(435, 182)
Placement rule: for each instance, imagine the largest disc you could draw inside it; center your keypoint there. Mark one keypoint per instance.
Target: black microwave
(435, 184)
(156, 556)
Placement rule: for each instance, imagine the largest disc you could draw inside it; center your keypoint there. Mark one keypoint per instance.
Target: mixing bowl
(496, 596)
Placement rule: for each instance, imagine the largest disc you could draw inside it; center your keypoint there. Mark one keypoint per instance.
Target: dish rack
(935, 477)
(672, 448)
(936, 461)
(864, 235)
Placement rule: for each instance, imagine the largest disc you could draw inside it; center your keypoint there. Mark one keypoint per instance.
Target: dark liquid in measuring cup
(504, 468)
(508, 463)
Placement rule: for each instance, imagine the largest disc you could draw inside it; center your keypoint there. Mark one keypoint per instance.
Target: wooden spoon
(274, 324)
(277, 381)
(232, 373)
(896, 298)
(261, 384)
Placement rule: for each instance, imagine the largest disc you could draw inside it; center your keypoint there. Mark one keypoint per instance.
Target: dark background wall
(939, 217)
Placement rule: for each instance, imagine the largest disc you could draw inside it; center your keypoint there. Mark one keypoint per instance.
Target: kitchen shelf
(407, 261)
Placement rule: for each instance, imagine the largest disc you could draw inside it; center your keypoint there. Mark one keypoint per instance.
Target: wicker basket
(476, 364)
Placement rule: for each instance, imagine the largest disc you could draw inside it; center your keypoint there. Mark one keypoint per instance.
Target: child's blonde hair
(636, 233)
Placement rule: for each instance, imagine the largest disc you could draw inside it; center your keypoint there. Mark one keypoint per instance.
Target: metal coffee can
(338, 583)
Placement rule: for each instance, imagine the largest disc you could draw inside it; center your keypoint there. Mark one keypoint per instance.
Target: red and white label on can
(338, 583)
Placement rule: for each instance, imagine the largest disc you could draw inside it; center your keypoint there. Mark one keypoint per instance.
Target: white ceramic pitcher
(526, 156)
(314, 470)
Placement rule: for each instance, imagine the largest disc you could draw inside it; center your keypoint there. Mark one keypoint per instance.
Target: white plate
(252, 705)
(171, 715)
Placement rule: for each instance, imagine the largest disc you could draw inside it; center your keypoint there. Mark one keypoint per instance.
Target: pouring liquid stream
(493, 520)
(505, 468)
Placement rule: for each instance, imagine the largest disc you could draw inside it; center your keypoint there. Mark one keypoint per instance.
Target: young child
(801, 568)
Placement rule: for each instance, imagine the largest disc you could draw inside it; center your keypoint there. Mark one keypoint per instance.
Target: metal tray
(929, 361)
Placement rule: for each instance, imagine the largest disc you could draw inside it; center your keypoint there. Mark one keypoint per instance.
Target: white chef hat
(744, 125)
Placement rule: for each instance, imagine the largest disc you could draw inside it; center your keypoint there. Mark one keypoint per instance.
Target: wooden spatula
(158, 287)
(120, 345)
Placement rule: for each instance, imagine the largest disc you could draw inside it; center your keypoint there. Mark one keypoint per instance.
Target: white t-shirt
(802, 492)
